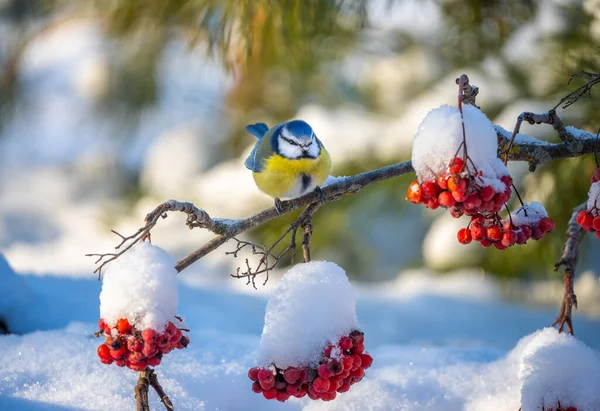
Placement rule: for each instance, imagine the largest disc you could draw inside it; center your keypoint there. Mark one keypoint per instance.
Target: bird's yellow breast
(281, 175)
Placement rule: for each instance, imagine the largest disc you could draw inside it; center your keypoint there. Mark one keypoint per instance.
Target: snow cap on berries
(141, 286)
(535, 212)
(594, 197)
(311, 307)
(440, 136)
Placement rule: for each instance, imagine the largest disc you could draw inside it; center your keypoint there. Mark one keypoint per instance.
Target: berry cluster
(341, 366)
(458, 190)
(128, 347)
(589, 219)
(490, 230)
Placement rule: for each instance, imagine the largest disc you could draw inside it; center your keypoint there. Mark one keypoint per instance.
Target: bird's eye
(292, 142)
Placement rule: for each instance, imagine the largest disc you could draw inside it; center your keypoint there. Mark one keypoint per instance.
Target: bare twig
(153, 380)
(569, 259)
(141, 392)
(593, 79)
(268, 260)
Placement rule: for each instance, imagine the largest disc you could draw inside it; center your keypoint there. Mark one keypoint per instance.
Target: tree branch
(569, 260)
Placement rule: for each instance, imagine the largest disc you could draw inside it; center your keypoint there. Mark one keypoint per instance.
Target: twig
(141, 392)
(153, 379)
(593, 79)
(569, 259)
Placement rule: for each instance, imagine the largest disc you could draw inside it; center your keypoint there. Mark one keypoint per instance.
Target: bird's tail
(258, 130)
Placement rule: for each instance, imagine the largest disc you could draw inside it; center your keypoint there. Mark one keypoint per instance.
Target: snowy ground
(439, 344)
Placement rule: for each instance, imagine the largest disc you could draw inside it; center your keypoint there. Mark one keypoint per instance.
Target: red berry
(291, 375)
(138, 366)
(464, 236)
(293, 389)
(326, 396)
(500, 199)
(573, 408)
(595, 176)
(154, 361)
(345, 343)
(472, 202)
(457, 165)
(527, 231)
(335, 367)
(357, 362)
(270, 393)
(347, 362)
(595, 223)
(358, 348)
(280, 383)
(149, 335)
(119, 354)
(265, 375)
(460, 195)
(104, 352)
(457, 183)
(509, 238)
(135, 345)
(585, 219)
(358, 337)
(478, 233)
(320, 384)
(547, 224)
(282, 396)
(324, 371)
(499, 245)
(428, 190)
(521, 239)
(123, 326)
(487, 193)
(486, 205)
(101, 324)
(494, 232)
(367, 360)
(598, 234)
(442, 181)
(358, 373)
(445, 199)
(150, 350)
(256, 387)
(456, 212)
(486, 242)
(414, 192)
(477, 219)
(344, 388)
(253, 373)
(507, 180)
(432, 203)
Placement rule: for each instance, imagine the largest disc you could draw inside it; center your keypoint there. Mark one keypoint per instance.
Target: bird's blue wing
(251, 163)
(258, 130)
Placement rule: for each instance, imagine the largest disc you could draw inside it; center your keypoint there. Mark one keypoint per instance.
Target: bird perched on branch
(288, 160)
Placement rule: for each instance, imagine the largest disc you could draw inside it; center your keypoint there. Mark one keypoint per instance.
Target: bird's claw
(279, 206)
(564, 316)
(320, 193)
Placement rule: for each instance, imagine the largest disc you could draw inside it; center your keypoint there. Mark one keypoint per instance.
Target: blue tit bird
(288, 160)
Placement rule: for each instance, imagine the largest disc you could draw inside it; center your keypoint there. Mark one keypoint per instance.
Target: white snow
(535, 212)
(312, 306)
(440, 136)
(594, 197)
(141, 286)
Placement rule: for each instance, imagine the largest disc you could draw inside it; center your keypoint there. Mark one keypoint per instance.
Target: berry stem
(141, 392)
(509, 216)
(520, 199)
(596, 149)
(153, 379)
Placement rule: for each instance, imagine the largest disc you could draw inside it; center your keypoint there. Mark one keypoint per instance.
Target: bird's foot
(564, 315)
(320, 193)
(279, 205)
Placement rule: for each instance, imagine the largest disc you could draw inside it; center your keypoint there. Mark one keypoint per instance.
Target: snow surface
(141, 286)
(535, 212)
(440, 136)
(311, 307)
(594, 196)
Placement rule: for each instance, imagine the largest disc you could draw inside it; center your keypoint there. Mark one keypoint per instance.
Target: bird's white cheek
(289, 151)
(313, 150)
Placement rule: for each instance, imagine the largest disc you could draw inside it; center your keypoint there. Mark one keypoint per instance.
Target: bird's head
(296, 139)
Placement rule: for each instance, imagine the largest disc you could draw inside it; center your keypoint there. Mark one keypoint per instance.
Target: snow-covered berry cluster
(528, 222)
(341, 366)
(136, 349)
(459, 190)
(457, 166)
(589, 218)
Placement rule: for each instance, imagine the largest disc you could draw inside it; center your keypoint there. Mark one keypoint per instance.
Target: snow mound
(15, 298)
(535, 212)
(440, 136)
(141, 286)
(313, 305)
(594, 196)
(544, 368)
